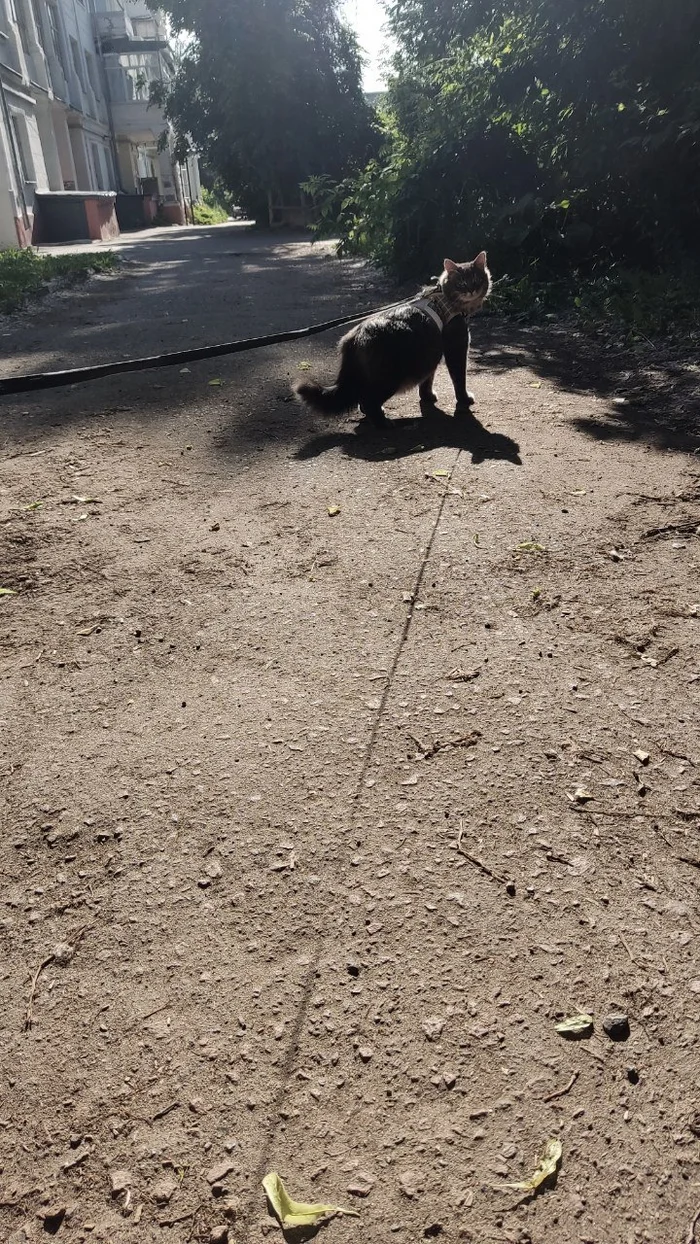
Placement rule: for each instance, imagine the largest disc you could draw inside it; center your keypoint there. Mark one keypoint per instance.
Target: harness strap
(422, 304)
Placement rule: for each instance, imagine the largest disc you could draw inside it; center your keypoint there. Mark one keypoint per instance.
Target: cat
(400, 349)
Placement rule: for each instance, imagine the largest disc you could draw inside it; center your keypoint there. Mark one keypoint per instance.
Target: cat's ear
(480, 261)
(450, 265)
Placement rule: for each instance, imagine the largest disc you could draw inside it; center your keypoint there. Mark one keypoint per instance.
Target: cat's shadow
(400, 437)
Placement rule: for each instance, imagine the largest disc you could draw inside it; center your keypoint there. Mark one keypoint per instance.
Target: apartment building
(74, 116)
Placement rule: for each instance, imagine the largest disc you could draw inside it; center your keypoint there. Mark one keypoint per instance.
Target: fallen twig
(666, 751)
(465, 740)
(629, 952)
(29, 1013)
(689, 859)
(687, 814)
(562, 1092)
(140, 1019)
(575, 807)
(690, 1238)
(484, 868)
(160, 1114)
(586, 1049)
(687, 528)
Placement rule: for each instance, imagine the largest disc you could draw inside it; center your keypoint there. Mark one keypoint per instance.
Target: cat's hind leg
(426, 392)
(372, 404)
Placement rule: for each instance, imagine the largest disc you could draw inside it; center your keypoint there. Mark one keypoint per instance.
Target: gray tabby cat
(399, 349)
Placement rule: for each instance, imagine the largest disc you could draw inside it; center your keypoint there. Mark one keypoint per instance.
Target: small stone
(361, 1185)
(617, 1026)
(433, 1026)
(230, 1144)
(219, 1234)
(449, 1078)
(75, 1140)
(411, 1184)
(219, 1172)
(62, 954)
(353, 967)
(231, 1208)
(120, 1181)
(213, 868)
(642, 756)
(366, 1053)
(164, 1190)
(52, 1217)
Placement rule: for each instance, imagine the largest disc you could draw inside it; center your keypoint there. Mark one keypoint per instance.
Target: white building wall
(61, 97)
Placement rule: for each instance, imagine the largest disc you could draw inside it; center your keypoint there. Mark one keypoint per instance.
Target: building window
(77, 65)
(97, 166)
(21, 135)
(52, 12)
(92, 74)
(37, 21)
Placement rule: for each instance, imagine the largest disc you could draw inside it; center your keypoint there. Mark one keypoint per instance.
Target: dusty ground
(243, 741)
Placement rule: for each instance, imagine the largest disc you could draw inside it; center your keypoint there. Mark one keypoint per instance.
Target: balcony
(113, 24)
(133, 119)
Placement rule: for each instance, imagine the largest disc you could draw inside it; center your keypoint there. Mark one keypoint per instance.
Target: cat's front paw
(465, 403)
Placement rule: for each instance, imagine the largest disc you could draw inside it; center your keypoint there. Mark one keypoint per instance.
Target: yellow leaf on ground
(333, 510)
(547, 1167)
(215, 382)
(576, 1026)
(293, 1214)
(7, 591)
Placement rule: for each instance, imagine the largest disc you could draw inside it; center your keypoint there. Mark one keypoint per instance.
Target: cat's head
(467, 284)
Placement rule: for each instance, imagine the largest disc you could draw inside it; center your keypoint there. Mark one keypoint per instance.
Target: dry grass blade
(484, 868)
(563, 1091)
(29, 1013)
(691, 1237)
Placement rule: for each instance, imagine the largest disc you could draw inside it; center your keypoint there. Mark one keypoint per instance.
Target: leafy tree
(269, 91)
(554, 132)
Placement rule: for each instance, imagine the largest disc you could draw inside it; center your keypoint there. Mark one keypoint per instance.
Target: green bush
(25, 273)
(211, 211)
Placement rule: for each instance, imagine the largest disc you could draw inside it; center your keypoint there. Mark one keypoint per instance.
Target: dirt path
(243, 741)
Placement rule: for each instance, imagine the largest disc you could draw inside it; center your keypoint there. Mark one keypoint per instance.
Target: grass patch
(25, 274)
(631, 303)
(210, 211)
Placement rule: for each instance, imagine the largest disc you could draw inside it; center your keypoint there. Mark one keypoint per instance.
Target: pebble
(366, 1053)
(52, 1217)
(213, 869)
(361, 1185)
(219, 1234)
(62, 954)
(120, 1181)
(411, 1184)
(219, 1172)
(164, 1190)
(231, 1208)
(433, 1026)
(616, 1026)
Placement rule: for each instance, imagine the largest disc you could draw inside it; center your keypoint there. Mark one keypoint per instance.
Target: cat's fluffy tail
(333, 399)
